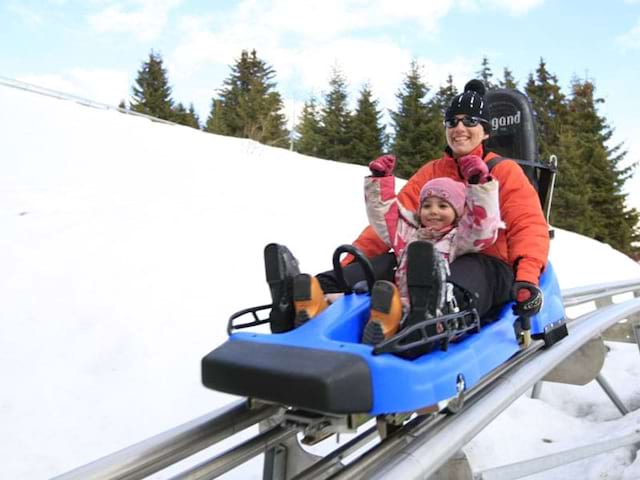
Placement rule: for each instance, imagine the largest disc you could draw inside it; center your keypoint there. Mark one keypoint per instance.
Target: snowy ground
(126, 244)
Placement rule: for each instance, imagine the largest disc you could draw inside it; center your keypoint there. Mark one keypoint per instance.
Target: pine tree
(507, 80)
(610, 220)
(186, 117)
(548, 103)
(485, 73)
(444, 95)
(369, 137)
(151, 92)
(417, 124)
(193, 119)
(336, 123)
(249, 105)
(214, 122)
(570, 208)
(308, 129)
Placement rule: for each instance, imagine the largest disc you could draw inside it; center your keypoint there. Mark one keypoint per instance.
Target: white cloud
(378, 61)
(26, 14)
(631, 39)
(515, 7)
(291, 32)
(145, 19)
(322, 20)
(217, 42)
(512, 7)
(98, 85)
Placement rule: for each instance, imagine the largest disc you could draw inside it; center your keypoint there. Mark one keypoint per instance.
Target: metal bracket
(317, 427)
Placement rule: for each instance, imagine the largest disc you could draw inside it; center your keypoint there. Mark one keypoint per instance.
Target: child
(456, 217)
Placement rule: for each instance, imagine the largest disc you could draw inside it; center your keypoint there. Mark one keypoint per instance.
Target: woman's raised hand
(473, 169)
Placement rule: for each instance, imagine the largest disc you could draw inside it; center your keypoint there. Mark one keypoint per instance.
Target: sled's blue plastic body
(400, 385)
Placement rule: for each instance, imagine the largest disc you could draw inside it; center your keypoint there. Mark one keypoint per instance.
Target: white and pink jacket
(475, 230)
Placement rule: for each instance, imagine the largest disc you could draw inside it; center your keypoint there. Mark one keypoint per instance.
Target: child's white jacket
(476, 229)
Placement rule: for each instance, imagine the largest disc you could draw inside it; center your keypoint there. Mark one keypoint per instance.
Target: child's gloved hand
(473, 169)
(382, 166)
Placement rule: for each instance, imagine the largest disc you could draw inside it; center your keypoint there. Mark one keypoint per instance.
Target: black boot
(426, 281)
(280, 267)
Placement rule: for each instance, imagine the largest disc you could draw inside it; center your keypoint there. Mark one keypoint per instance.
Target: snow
(125, 246)
(567, 417)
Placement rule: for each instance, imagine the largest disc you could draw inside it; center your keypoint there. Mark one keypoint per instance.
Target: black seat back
(513, 127)
(513, 135)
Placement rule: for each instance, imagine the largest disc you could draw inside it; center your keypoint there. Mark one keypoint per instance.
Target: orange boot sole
(386, 313)
(308, 298)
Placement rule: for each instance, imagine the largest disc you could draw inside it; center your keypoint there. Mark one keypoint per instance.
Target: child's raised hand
(473, 169)
(382, 166)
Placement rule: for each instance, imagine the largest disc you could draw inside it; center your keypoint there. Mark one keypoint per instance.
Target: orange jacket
(523, 244)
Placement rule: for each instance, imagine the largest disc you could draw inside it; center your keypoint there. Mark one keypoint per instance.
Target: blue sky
(94, 48)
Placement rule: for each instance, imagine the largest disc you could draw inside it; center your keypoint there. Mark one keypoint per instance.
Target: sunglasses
(467, 121)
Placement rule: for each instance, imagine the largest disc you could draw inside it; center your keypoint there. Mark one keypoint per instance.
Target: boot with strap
(427, 273)
(386, 313)
(281, 267)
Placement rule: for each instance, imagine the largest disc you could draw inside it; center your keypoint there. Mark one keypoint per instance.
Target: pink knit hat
(447, 189)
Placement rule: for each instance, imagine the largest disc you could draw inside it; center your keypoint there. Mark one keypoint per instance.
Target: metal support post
(535, 391)
(287, 458)
(275, 464)
(635, 322)
(612, 395)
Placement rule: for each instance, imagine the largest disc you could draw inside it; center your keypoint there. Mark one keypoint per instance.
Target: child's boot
(386, 313)
(280, 267)
(308, 298)
(426, 281)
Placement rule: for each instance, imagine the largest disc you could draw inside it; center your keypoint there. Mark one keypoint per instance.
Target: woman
(511, 267)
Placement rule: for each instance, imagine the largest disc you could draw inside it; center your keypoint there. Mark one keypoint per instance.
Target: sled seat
(313, 379)
(513, 135)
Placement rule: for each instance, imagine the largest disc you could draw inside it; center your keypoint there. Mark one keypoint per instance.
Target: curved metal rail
(579, 295)
(415, 451)
(158, 452)
(425, 455)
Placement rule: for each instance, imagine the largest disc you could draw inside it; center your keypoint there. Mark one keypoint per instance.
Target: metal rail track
(403, 453)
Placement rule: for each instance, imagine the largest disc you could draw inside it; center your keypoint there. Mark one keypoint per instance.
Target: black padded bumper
(313, 379)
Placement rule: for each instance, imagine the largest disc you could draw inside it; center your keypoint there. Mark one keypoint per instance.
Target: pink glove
(473, 169)
(382, 166)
